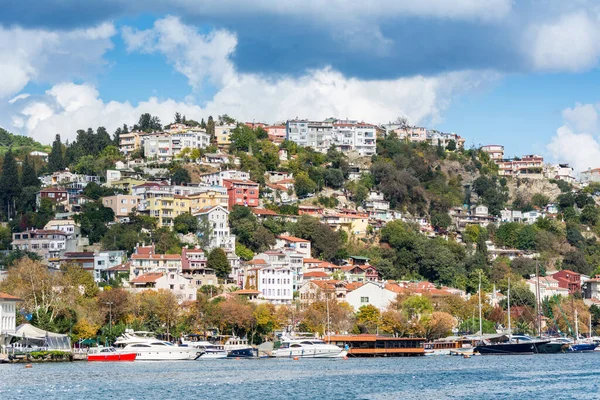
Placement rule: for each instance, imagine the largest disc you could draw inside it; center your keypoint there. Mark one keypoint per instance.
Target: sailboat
(554, 346)
(580, 347)
(503, 344)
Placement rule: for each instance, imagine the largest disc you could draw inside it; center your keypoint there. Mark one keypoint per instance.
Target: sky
(521, 73)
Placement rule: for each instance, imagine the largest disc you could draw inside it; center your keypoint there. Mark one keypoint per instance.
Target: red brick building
(569, 280)
(241, 193)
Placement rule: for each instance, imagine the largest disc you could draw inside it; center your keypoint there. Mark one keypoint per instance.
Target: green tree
(93, 219)
(95, 191)
(303, 184)
(334, 178)
(368, 318)
(242, 138)
(166, 241)
(180, 175)
(539, 200)
(217, 261)
(243, 252)
(185, 223)
(56, 161)
(210, 129)
(10, 187)
(589, 215)
(28, 174)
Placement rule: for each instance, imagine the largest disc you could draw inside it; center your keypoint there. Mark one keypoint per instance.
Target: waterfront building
(174, 282)
(8, 318)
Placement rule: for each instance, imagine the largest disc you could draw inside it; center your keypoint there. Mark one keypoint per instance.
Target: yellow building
(165, 209)
(223, 134)
(210, 198)
(125, 184)
(129, 142)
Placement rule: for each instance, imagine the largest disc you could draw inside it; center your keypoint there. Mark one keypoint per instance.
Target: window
(364, 299)
(171, 287)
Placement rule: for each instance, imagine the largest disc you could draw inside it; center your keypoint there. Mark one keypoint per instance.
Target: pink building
(526, 165)
(276, 133)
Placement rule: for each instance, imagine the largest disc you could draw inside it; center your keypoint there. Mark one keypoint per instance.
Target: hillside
(19, 144)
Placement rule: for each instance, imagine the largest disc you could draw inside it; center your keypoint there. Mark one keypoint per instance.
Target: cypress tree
(28, 174)
(10, 187)
(56, 161)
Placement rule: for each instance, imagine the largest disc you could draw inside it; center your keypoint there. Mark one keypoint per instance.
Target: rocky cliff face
(526, 188)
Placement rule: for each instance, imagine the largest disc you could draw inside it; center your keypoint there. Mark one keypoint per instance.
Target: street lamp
(110, 303)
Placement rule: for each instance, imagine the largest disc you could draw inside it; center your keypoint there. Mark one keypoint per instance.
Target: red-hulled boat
(109, 354)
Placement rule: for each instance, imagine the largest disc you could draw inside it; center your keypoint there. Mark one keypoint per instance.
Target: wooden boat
(109, 354)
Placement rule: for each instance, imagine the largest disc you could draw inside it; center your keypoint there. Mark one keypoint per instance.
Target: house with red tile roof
(174, 282)
(302, 246)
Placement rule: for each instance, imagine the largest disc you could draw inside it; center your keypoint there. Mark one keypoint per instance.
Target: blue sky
(519, 73)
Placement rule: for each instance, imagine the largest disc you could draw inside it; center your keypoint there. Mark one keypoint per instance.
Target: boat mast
(576, 327)
(508, 302)
(327, 306)
(537, 302)
(480, 321)
(590, 335)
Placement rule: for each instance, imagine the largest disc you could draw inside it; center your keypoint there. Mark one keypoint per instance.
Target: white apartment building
(216, 178)
(273, 281)
(344, 135)
(8, 317)
(164, 147)
(285, 258)
(220, 234)
(562, 172)
(359, 137)
(377, 294)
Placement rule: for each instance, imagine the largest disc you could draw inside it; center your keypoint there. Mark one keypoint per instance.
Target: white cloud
(582, 117)
(457, 9)
(576, 142)
(320, 93)
(570, 43)
(198, 57)
(50, 56)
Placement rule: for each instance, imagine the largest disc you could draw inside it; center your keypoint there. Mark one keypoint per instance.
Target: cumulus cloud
(576, 142)
(47, 56)
(571, 43)
(320, 93)
(198, 57)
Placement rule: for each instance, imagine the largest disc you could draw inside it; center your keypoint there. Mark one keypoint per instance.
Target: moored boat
(308, 348)
(106, 354)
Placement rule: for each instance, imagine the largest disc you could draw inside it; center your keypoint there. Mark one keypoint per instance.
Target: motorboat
(160, 350)
(131, 337)
(109, 354)
(247, 352)
(308, 348)
(449, 346)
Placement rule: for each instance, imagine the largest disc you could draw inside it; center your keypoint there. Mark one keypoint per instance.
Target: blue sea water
(559, 376)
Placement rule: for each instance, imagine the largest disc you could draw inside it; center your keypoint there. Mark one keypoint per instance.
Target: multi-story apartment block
(216, 178)
(242, 192)
(166, 208)
(276, 133)
(590, 175)
(164, 146)
(563, 172)
(531, 166)
(194, 267)
(273, 281)
(223, 134)
(220, 234)
(359, 137)
(121, 204)
(442, 139)
(174, 282)
(145, 260)
(495, 151)
(313, 134)
(48, 244)
(129, 142)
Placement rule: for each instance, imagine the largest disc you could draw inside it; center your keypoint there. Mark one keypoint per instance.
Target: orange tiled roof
(155, 256)
(293, 239)
(10, 297)
(149, 277)
(263, 211)
(315, 274)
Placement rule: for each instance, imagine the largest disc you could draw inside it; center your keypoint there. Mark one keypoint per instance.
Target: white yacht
(159, 350)
(208, 350)
(308, 348)
(147, 347)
